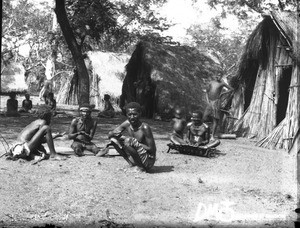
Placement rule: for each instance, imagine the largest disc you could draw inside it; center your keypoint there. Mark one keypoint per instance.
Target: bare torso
(138, 133)
(197, 133)
(83, 125)
(215, 89)
(178, 126)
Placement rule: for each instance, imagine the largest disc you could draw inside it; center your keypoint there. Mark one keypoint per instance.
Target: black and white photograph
(150, 113)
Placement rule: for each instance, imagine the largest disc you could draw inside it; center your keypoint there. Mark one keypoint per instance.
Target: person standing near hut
(82, 131)
(51, 102)
(47, 88)
(139, 148)
(213, 95)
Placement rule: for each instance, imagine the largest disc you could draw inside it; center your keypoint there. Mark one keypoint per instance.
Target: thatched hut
(106, 71)
(267, 84)
(160, 77)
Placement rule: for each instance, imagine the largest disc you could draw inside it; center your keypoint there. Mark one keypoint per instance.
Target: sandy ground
(244, 186)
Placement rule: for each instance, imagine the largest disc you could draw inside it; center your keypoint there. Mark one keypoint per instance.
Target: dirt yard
(244, 186)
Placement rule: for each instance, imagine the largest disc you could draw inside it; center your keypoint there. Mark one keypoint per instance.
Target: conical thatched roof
(174, 75)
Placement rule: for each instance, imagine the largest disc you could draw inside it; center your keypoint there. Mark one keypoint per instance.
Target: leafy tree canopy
(241, 7)
(114, 25)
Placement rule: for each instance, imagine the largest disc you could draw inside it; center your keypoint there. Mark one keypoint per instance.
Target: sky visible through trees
(220, 26)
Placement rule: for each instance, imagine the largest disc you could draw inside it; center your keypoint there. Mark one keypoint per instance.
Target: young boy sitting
(26, 104)
(179, 124)
(198, 133)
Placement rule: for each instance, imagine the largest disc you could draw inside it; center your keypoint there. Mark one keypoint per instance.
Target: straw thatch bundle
(295, 149)
(267, 83)
(160, 77)
(106, 70)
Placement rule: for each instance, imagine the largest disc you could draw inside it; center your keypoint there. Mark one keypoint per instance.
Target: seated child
(198, 133)
(178, 123)
(12, 106)
(109, 111)
(26, 104)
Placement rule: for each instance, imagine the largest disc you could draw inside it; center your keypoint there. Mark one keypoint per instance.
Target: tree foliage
(241, 7)
(114, 25)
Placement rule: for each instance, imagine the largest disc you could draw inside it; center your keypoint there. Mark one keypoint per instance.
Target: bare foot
(102, 152)
(57, 157)
(58, 135)
(138, 169)
(115, 141)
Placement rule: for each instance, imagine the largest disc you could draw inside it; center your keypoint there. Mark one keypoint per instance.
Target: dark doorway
(250, 75)
(283, 97)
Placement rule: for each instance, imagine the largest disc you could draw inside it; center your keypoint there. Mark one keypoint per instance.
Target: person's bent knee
(127, 141)
(45, 128)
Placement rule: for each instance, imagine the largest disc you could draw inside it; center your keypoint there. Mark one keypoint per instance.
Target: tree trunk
(84, 87)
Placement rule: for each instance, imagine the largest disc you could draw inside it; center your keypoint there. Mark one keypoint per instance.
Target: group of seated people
(194, 133)
(137, 148)
(12, 109)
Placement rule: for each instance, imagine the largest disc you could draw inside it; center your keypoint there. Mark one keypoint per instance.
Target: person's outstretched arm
(117, 132)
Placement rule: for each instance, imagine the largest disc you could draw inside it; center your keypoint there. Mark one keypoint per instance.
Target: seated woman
(12, 106)
(109, 111)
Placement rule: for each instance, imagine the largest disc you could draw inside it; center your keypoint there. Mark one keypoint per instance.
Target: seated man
(12, 106)
(26, 104)
(198, 133)
(139, 148)
(82, 131)
(30, 140)
(178, 124)
(109, 111)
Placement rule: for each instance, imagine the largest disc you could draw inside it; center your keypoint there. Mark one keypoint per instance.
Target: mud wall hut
(267, 84)
(106, 71)
(160, 77)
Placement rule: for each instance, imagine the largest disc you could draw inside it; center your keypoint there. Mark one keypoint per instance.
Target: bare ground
(244, 186)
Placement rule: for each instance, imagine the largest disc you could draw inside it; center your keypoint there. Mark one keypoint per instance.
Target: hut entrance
(250, 79)
(283, 86)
